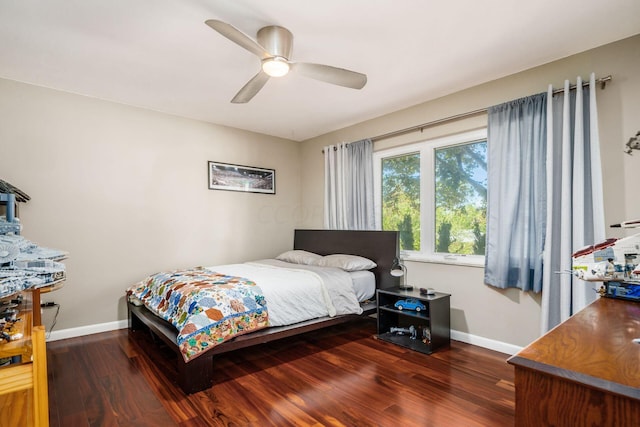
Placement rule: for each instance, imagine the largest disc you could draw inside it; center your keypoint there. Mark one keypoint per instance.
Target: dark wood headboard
(381, 247)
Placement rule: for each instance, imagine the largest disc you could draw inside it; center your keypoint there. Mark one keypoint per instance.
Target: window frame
(427, 149)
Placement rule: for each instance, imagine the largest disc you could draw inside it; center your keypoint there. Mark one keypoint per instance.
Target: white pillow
(299, 257)
(346, 262)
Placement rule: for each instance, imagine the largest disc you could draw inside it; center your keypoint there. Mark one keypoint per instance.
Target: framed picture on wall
(225, 176)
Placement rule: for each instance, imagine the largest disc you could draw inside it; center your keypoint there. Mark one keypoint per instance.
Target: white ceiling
(159, 54)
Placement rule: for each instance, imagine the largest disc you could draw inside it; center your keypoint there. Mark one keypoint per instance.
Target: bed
(197, 373)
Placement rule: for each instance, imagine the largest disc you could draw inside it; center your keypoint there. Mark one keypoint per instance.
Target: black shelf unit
(432, 326)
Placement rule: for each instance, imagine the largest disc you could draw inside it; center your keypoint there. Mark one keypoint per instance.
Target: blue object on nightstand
(410, 304)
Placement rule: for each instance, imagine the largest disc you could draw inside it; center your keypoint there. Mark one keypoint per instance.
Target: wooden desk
(584, 372)
(37, 315)
(23, 386)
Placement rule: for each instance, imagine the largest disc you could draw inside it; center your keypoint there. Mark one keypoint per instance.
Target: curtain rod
(602, 81)
(429, 124)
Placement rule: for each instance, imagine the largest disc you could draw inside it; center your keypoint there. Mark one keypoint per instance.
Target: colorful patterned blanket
(207, 308)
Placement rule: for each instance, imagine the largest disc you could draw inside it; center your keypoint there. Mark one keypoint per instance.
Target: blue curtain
(516, 198)
(575, 205)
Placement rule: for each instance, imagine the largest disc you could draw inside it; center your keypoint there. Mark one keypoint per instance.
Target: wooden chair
(24, 399)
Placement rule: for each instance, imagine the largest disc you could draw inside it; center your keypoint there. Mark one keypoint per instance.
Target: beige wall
(124, 190)
(482, 311)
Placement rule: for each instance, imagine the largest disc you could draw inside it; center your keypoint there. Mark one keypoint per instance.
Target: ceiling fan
(273, 46)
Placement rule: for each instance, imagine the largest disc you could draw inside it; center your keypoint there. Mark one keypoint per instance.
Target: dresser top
(593, 347)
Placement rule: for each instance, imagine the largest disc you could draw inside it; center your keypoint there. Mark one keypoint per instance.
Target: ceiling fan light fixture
(276, 66)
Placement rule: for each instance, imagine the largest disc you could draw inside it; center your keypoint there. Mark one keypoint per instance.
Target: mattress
(364, 284)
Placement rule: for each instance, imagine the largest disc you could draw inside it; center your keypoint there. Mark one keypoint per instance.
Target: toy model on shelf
(410, 304)
(411, 331)
(23, 264)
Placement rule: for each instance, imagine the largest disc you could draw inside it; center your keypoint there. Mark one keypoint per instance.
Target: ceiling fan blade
(329, 74)
(252, 87)
(237, 36)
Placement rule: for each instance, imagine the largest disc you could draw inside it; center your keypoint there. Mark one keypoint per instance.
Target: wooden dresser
(584, 372)
(23, 385)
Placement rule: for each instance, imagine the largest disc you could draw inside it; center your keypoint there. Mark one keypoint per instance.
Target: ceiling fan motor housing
(277, 41)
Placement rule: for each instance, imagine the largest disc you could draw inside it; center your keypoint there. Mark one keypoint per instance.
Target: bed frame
(196, 375)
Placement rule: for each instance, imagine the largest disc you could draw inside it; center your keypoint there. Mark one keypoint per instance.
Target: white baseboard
(500, 346)
(122, 324)
(87, 330)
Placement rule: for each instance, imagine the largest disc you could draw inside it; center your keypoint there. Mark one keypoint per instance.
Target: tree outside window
(461, 199)
(435, 194)
(401, 198)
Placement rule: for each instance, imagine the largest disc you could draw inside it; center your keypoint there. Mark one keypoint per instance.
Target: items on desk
(25, 265)
(610, 260)
(9, 330)
(622, 290)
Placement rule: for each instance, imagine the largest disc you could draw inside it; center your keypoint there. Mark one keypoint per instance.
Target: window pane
(461, 199)
(401, 198)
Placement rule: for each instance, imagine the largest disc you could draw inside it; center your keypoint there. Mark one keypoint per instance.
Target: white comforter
(295, 292)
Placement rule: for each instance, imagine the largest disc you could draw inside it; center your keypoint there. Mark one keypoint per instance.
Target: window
(401, 198)
(435, 194)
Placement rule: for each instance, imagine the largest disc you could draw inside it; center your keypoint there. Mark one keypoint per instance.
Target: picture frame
(230, 177)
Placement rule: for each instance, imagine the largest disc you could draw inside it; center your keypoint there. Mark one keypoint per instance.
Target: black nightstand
(431, 326)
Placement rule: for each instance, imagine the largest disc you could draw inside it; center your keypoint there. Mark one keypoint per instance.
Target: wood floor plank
(65, 397)
(341, 376)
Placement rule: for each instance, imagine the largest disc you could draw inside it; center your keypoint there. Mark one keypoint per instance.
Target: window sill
(460, 260)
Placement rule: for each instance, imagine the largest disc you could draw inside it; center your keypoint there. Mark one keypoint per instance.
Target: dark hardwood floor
(340, 376)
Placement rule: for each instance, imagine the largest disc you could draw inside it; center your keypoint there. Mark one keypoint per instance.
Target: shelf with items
(16, 325)
(425, 330)
(416, 314)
